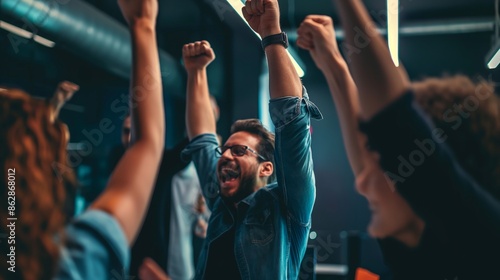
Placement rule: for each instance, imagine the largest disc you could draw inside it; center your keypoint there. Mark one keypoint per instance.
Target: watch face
(285, 40)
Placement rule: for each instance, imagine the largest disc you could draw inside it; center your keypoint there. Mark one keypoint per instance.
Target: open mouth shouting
(229, 173)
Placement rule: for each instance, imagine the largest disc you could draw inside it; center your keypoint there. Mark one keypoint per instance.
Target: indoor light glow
(26, 34)
(237, 6)
(393, 29)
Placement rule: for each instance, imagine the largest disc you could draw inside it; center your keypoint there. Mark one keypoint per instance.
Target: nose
(363, 182)
(361, 187)
(227, 154)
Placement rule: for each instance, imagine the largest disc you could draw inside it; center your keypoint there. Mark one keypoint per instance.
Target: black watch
(280, 38)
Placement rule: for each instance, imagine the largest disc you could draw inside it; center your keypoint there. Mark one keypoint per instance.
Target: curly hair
(469, 114)
(34, 146)
(266, 143)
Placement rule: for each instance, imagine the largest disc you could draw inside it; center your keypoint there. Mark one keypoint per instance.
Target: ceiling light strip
(26, 34)
(393, 29)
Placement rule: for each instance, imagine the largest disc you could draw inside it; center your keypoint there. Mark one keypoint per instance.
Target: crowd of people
(428, 165)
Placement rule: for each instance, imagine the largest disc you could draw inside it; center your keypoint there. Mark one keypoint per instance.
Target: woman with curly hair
(95, 244)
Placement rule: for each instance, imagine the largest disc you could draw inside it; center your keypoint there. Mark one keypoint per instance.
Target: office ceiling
(182, 21)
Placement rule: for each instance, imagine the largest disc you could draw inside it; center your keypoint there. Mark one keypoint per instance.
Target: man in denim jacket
(258, 228)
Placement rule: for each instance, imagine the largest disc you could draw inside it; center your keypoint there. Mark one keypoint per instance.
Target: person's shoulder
(94, 247)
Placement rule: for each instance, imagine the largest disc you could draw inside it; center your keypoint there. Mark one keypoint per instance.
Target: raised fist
(64, 91)
(197, 55)
(316, 34)
(263, 16)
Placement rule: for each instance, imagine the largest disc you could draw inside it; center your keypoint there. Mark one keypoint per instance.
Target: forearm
(293, 159)
(199, 114)
(55, 107)
(378, 79)
(283, 78)
(345, 99)
(130, 186)
(129, 189)
(148, 120)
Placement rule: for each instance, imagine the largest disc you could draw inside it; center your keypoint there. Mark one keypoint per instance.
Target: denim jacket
(273, 223)
(95, 247)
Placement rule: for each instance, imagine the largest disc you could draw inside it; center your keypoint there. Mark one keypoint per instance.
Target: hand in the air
(197, 55)
(263, 16)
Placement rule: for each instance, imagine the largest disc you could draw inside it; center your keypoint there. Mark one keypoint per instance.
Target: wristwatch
(281, 39)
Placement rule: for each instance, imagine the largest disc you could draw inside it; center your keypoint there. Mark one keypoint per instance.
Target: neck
(412, 234)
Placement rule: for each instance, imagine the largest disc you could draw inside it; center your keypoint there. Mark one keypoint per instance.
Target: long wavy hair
(469, 114)
(34, 145)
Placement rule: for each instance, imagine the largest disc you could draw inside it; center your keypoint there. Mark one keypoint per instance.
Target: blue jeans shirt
(273, 223)
(95, 247)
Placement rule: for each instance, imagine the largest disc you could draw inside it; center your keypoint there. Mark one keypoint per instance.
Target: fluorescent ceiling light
(237, 6)
(493, 56)
(393, 29)
(26, 34)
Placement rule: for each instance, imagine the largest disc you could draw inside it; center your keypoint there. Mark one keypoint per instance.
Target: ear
(266, 169)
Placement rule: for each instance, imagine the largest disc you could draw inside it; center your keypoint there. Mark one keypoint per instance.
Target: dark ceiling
(180, 22)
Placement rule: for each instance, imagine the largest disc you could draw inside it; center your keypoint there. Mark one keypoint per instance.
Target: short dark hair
(266, 140)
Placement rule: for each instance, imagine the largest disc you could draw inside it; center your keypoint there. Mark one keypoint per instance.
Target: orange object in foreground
(363, 274)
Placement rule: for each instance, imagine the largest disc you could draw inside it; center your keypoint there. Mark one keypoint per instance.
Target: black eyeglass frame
(222, 149)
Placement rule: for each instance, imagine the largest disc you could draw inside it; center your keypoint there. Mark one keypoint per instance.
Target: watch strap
(280, 38)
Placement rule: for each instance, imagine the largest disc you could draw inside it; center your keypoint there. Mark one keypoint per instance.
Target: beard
(246, 187)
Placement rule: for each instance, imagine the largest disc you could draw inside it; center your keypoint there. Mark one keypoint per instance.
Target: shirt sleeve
(415, 157)
(95, 247)
(202, 152)
(293, 158)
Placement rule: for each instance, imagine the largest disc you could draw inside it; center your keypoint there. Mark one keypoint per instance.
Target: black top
(221, 262)
(153, 238)
(431, 260)
(438, 189)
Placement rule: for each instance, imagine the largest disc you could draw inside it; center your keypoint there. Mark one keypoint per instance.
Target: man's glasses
(237, 150)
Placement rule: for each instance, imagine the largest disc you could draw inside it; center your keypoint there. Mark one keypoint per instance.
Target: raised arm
(130, 186)
(199, 113)
(379, 81)
(316, 34)
(290, 111)
(200, 118)
(264, 18)
(398, 130)
(64, 91)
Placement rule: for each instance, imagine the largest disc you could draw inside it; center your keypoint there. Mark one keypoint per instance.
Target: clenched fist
(316, 34)
(263, 16)
(64, 91)
(197, 55)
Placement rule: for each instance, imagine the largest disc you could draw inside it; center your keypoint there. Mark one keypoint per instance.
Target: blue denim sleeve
(95, 247)
(201, 151)
(294, 164)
